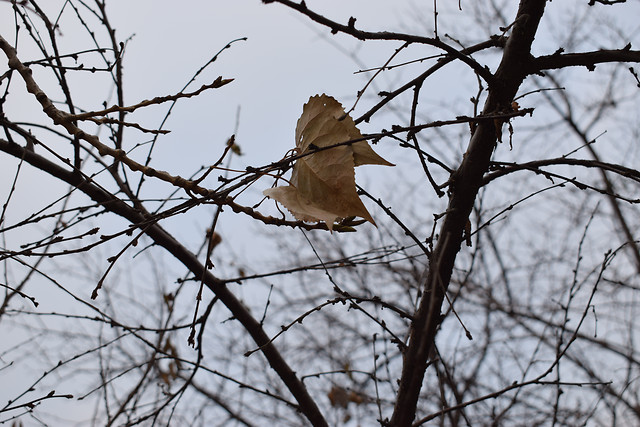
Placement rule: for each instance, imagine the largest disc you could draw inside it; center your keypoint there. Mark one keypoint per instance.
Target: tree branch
(162, 238)
(465, 182)
(351, 30)
(585, 59)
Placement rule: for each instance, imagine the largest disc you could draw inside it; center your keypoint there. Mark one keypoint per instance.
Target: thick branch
(465, 182)
(162, 238)
(586, 59)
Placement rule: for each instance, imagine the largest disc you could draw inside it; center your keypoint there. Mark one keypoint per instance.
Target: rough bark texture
(465, 183)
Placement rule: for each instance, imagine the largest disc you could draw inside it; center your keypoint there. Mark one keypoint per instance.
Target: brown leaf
(338, 397)
(323, 184)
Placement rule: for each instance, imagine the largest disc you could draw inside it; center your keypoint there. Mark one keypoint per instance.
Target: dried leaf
(323, 186)
(338, 397)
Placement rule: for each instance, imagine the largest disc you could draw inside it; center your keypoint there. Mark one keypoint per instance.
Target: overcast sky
(285, 60)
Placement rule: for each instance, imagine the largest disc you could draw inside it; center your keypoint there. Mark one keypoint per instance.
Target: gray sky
(285, 60)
